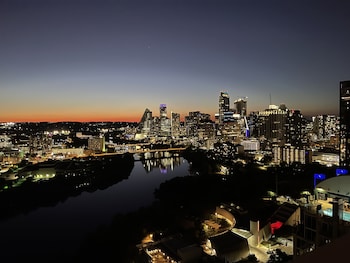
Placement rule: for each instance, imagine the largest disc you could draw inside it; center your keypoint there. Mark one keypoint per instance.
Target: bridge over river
(135, 150)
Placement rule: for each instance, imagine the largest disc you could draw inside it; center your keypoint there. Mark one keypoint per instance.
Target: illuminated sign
(318, 177)
(341, 171)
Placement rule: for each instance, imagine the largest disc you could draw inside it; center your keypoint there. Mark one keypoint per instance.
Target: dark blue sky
(109, 60)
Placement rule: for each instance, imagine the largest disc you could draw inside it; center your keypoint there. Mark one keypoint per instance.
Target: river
(60, 229)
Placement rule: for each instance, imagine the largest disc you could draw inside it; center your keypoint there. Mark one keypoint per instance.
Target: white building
(251, 145)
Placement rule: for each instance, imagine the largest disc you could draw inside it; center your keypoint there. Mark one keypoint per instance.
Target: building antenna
(270, 99)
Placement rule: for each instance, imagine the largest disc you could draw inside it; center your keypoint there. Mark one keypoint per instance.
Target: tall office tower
(252, 120)
(241, 106)
(175, 124)
(162, 111)
(164, 121)
(224, 105)
(295, 129)
(344, 154)
(145, 125)
(271, 124)
(193, 122)
(324, 126)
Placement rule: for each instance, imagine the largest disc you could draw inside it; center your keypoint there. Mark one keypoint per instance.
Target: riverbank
(48, 183)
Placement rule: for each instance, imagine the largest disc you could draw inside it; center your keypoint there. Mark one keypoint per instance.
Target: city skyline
(110, 60)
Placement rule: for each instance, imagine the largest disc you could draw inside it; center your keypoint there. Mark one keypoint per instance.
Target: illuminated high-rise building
(344, 117)
(271, 124)
(295, 125)
(224, 105)
(164, 121)
(162, 111)
(195, 121)
(146, 122)
(241, 106)
(324, 126)
(175, 124)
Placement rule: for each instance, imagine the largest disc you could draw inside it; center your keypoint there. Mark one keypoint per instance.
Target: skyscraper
(295, 129)
(175, 124)
(271, 124)
(145, 124)
(344, 114)
(164, 121)
(224, 105)
(162, 111)
(241, 106)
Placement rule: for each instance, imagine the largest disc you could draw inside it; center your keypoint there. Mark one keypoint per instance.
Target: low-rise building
(324, 219)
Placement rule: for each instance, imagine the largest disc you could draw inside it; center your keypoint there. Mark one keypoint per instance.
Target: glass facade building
(344, 115)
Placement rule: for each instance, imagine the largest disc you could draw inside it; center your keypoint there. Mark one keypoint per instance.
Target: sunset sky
(104, 60)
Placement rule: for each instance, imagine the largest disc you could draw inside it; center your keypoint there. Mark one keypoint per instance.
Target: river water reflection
(59, 230)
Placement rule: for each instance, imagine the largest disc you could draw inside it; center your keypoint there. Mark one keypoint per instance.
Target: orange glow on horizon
(45, 116)
(71, 118)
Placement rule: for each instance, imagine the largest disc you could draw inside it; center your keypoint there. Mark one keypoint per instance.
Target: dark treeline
(90, 174)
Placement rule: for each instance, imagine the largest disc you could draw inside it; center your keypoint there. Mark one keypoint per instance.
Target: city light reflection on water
(61, 228)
